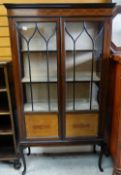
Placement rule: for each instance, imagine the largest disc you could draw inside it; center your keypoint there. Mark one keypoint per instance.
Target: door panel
(82, 49)
(39, 59)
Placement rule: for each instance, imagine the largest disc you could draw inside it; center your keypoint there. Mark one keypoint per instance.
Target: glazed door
(82, 49)
(40, 79)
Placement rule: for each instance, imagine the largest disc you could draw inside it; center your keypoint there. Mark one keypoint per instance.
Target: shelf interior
(4, 105)
(2, 79)
(3, 90)
(5, 124)
(6, 145)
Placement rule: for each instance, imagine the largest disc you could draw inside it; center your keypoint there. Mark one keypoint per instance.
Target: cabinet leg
(107, 153)
(102, 151)
(29, 151)
(94, 149)
(23, 159)
(117, 171)
(17, 164)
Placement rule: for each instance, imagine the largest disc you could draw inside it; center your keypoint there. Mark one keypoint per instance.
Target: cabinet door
(39, 60)
(82, 49)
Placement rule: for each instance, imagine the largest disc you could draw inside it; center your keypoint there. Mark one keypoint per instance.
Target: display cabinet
(60, 58)
(8, 142)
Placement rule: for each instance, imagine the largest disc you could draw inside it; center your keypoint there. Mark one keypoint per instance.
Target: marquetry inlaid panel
(81, 125)
(41, 125)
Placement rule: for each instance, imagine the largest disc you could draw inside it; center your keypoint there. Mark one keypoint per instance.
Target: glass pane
(39, 67)
(95, 96)
(82, 70)
(38, 50)
(78, 100)
(40, 97)
(37, 34)
(118, 2)
(116, 30)
(83, 50)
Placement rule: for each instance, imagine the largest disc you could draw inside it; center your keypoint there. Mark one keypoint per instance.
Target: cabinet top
(58, 5)
(64, 10)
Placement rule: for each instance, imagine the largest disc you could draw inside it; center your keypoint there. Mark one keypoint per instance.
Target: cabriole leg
(29, 151)
(94, 148)
(102, 151)
(23, 159)
(17, 164)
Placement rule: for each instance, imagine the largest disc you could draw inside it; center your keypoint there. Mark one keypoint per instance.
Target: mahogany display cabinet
(60, 58)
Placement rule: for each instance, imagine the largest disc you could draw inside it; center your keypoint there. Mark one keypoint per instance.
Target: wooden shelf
(3, 90)
(8, 156)
(6, 132)
(4, 112)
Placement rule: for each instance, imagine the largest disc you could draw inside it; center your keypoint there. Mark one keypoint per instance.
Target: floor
(83, 163)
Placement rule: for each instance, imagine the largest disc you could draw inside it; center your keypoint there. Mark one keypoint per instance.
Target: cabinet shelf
(8, 155)
(37, 79)
(79, 105)
(83, 77)
(86, 76)
(6, 132)
(4, 112)
(68, 50)
(37, 51)
(41, 106)
(3, 89)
